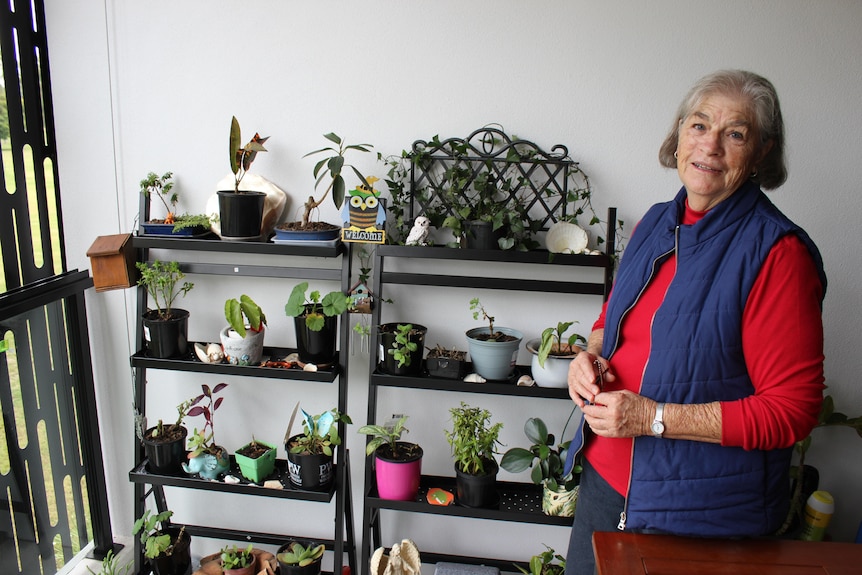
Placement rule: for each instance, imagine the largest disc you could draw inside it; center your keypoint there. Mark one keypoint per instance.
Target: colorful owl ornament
(363, 215)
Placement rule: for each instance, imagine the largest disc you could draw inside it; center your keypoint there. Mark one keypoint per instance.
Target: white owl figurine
(418, 235)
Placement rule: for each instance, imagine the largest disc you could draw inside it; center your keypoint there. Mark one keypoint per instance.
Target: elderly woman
(706, 364)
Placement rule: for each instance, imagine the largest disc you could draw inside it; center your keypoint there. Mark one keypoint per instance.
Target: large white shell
(566, 238)
(475, 378)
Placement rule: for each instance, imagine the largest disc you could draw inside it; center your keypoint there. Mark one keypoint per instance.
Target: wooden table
(620, 553)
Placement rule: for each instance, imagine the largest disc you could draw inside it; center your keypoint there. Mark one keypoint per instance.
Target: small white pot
(239, 350)
(556, 370)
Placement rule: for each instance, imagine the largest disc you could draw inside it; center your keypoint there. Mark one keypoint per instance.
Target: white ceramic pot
(239, 350)
(556, 370)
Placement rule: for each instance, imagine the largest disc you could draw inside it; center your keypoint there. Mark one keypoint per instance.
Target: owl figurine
(418, 235)
(362, 209)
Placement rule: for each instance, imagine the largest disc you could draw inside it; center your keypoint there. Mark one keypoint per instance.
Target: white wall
(152, 86)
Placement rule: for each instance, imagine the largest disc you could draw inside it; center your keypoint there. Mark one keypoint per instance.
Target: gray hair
(760, 93)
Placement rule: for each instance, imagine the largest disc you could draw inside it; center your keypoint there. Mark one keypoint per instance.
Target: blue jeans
(598, 509)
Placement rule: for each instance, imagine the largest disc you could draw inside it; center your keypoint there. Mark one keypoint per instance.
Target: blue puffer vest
(690, 487)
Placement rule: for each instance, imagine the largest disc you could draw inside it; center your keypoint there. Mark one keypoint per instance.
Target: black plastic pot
(477, 490)
(445, 367)
(165, 457)
(317, 347)
(311, 472)
(479, 235)
(388, 364)
(288, 569)
(240, 214)
(166, 338)
(179, 562)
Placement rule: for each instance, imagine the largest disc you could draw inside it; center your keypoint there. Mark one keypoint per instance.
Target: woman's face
(719, 147)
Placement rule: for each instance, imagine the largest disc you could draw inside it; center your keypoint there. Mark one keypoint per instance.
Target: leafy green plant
(162, 430)
(403, 348)
(297, 554)
(473, 438)
(549, 460)
(543, 563)
(111, 566)
(154, 538)
(387, 435)
(320, 432)
(201, 441)
(236, 558)
(161, 187)
(161, 279)
(241, 157)
(315, 308)
(234, 310)
(332, 165)
(553, 343)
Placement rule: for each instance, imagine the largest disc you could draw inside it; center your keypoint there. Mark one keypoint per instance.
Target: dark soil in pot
(179, 562)
(166, 453)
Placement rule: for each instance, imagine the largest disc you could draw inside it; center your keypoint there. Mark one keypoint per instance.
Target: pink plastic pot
(398, 479)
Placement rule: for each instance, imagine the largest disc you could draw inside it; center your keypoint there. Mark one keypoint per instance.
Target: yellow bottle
(818, 513)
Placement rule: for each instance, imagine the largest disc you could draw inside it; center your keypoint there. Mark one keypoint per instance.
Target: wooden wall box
(112, 259)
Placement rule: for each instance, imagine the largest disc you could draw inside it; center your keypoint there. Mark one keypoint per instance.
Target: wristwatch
(657, 426)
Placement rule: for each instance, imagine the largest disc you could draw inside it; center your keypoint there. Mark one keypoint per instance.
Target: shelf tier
(489, 387)
(140, 474)
(192, 363)
(519, 502)
(212, 243)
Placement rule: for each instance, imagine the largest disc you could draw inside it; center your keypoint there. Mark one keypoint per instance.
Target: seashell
(566, 238)
(309, 367)
(293, 357)
(201, 352)
(526, 381)
(231, 479)
(475, 378)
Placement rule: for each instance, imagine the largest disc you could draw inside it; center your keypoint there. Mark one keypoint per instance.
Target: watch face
(657, 427)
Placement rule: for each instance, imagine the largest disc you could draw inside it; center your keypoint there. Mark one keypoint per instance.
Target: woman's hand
(620, 414)
(584, 377)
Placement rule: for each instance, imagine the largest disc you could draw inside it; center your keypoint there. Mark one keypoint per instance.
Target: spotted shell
(566, 238)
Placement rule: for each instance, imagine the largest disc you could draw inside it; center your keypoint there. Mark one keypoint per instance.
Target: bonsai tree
(203, 441)
(235, 310)
(162, 187)
(320, 432)
(111, 566)
(161, 279)
(236, 558)
(332, 165)
(313, 307)
(553, 343)
(473, 438)
(549, 460)
(296, 554)
(389, 436)
(479, 311)
(543, 563)
(153, 533)
(241, 157)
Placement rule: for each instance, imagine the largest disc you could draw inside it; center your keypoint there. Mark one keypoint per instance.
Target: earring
(753, 174)
(676, 155)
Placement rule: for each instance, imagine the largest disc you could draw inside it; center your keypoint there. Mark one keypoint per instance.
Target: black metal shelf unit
(519, 502)
(343, 541)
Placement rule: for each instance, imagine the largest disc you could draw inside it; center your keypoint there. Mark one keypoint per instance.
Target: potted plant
(236, 561)
(207, 458)
(298, 557)
(494, 351)
(397, 464)
(172, 224)
(166, 547)
(165, 327)
(242, 339)
(560, 492)
(309, 454)
(256, 460)
(241, 211)
(331, 165)
(316, 322)
(551, 355)
(474, 440)
(446, 363)
(165, 445)
(111, 565)
(548, 562)
(403, 345)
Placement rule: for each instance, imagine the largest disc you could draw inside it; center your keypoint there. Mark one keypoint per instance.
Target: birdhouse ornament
(364, 215)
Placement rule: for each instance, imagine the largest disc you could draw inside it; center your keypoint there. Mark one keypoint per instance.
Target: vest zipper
(623, 514)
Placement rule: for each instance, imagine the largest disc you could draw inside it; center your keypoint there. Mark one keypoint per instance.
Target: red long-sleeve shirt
(782, 339)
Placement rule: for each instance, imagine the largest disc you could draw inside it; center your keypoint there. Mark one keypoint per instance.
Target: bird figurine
(418, 235)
